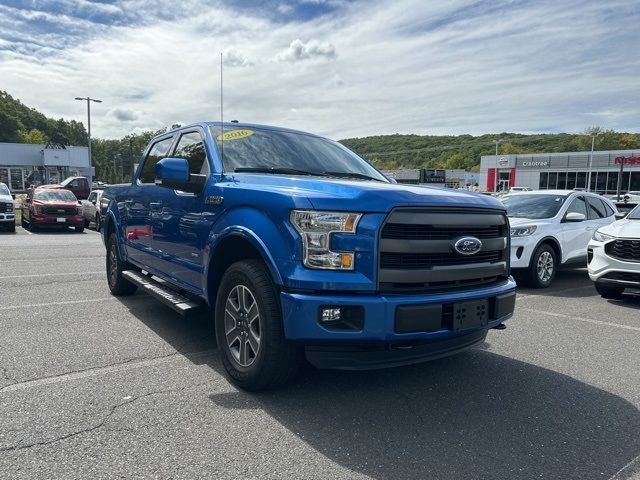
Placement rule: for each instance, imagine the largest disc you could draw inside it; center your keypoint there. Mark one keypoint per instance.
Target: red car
(51, 207)
(79, 186)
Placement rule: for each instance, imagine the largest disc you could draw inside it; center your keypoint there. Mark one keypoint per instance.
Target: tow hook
(500, 326)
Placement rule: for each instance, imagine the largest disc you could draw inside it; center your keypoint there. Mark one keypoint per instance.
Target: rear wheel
(542, 269)
(12, 227)
(118, 285)
(613, 292)
(249, 329)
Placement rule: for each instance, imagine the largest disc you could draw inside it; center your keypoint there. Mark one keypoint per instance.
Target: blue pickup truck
(300, 248)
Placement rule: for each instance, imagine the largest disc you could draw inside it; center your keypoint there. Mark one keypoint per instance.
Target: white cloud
(298, 50)
(372, 67)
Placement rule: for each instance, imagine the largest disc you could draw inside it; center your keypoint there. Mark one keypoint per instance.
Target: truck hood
(367, 196)
(623, 228)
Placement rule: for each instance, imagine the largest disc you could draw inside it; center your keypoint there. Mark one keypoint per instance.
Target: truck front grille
(59, 210)
(626, 250)
(6, 207)
(417, 254)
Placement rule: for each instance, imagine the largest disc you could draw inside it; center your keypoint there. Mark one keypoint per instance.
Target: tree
(33, 136)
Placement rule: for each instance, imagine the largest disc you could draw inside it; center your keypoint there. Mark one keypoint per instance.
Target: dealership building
(24, 164)
(569, 170)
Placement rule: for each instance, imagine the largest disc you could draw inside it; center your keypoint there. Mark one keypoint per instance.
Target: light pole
(89, 100)
(497, 142)
(593, 131)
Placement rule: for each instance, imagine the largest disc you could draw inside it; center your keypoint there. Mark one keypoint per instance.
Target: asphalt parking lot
(97, 387)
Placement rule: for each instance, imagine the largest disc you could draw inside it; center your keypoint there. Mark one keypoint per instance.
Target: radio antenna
(221, 113)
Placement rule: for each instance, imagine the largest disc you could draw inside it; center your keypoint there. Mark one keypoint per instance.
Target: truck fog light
(330, 315)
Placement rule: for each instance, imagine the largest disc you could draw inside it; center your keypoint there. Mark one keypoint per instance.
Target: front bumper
(606, 269)
(521, 251)
(69, 220)
(7, 217)
(380, 314)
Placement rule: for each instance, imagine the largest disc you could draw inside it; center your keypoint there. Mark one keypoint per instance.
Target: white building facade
(22, 165)
(569, 170)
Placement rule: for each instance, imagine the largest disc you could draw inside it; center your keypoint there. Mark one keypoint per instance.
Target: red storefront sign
(627, 160)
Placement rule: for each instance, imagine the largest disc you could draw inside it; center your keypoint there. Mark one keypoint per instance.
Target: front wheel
(79, 229)
(542, 269)
(612, 292)
(98, 222)
(249, 329)
(118, 285)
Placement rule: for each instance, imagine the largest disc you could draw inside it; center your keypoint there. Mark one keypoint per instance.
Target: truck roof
(234, 125)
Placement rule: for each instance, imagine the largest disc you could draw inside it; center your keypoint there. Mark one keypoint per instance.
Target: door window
(597, 209)
(158, 151)
(191, 148)
(578, 206)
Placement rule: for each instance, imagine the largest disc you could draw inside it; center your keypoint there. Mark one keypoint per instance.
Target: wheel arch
(235, 244)
(553, 243)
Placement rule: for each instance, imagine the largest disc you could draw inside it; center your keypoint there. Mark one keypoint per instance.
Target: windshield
(635, 213)
(4, 190)
(275, 151)
(55, 195)
(533, 206)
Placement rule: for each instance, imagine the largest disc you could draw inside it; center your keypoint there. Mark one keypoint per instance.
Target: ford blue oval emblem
(467, 245)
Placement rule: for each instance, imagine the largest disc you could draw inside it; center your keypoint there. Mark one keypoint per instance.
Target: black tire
(98, 222)
(86, 223)
(276, 360)
(23, 224)
(79, 229)
(31, 227)
(613, 292)
(543, 267)
(118, 285)
(12, 227)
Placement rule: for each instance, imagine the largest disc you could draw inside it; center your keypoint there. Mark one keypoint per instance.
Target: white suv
(614, 256)
(7, 218)
(550, 228)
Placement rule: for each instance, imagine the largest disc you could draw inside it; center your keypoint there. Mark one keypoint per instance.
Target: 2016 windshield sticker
(234, 135)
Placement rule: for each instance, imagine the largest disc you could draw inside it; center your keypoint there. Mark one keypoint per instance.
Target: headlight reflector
(598, 236)
(523, 231)
(315, 228)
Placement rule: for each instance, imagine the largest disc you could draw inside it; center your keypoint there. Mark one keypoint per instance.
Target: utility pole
(593, 131)
(89, 100)
(497, 142)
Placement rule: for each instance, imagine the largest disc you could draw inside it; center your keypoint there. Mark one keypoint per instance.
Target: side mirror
(174, 173)
(575, 217)
(621, 215)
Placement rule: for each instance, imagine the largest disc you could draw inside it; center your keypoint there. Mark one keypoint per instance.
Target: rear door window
(158, 151)
(596, 208)
(191, 148)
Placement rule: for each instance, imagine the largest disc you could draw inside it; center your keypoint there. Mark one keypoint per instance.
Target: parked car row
(555, 228)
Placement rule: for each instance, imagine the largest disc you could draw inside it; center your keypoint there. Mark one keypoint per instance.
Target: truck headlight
(315, 228)
(523, 231)
(598, 236)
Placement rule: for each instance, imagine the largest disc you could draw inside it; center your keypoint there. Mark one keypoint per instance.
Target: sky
(338, 68)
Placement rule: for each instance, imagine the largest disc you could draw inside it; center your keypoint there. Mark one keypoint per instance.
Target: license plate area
(61, 220)
(474, 313)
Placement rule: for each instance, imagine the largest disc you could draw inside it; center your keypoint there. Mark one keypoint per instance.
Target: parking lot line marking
(49, 259)
(629, 469)
(51, 274)
(580, 319)
(564, 290)
(51, 304)
(97, 371)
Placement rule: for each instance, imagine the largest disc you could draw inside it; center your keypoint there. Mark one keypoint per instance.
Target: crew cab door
(141, 202)
(179, 228)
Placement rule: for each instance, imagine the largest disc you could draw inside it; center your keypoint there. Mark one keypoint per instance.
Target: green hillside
(113, 158)
(464, 151)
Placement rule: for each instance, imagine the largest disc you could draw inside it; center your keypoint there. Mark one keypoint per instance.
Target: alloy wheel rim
(113, 266)
(545, 266)
(242, 325)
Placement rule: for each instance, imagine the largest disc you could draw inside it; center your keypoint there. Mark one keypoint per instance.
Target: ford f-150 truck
(302, 248)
